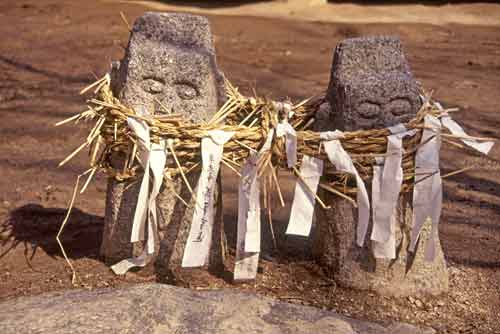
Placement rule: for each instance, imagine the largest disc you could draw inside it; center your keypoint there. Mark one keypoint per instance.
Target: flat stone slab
(158, 308)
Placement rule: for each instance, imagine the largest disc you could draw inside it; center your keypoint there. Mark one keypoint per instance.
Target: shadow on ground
(34, 226)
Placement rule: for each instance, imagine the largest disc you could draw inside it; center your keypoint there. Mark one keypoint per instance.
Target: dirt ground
(49, 50)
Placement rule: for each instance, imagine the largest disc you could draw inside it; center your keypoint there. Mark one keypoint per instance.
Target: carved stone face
(183, 81)
(381, 101)
(170, 64)
(371, 85)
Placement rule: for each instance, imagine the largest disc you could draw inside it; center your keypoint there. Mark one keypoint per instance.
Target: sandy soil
(49, 51)
(437, 12)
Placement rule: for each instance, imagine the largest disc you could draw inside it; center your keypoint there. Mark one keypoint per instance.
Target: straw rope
(251, 119)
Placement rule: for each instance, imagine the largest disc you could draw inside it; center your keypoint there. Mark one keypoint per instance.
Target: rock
(371, 86)
(401, 328)
(169, 64)
(158, 308)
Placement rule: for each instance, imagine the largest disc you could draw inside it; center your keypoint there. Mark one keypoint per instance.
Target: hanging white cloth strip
(248, 236)
(384, 250)
(427, 191)
(158, 160)
(285, 129)
(197, 248)
(302, 211)
(342, 161)
(141, 130)
(387, 186)
(247, 257)
(153, 158)
(456, 129)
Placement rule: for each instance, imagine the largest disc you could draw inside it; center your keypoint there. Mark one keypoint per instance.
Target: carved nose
(398, 107)
(167, 102)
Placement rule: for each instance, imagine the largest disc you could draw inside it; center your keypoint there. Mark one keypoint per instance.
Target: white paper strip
(152, 157)
(342, 161)
(249, 205)
(123, 266)
(252, 234)
(197, 248)
(301, 215)
(285, 129)
(384, 250)
(385, 194)
(247, 256)
(248, 239)
(427, 192)
(456, 129)
(157, 162)
(141, 130)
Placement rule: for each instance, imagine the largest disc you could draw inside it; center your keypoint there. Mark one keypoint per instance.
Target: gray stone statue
(169, 67)
(371, 86)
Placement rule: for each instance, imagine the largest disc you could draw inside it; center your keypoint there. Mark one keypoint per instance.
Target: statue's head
(371, 84)
(170, 63)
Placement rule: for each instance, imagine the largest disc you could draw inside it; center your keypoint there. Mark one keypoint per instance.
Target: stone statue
(371, 86)
(169, 67)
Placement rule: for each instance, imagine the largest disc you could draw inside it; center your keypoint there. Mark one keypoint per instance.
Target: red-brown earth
(50, 49)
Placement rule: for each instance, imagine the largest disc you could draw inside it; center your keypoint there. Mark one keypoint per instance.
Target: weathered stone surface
(157, 308)
(371, 87)
(169, 63)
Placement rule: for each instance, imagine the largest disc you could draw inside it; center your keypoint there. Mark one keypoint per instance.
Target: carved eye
(186, 90)
(399, 107)
(153, 86)
(368, 110)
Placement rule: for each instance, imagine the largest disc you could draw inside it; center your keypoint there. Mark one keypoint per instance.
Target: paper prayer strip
(247, 259)
(456, 129)
(250, 197)
(303, 201)
(385, 195)
(153, 157)
(157, 162)
(246, 265)
(248, 201)
(384, 250)
(427, 192)
(197, 248)
(141, 130)
(123, 266)
(249, 205)
(342, 161)
(285, 129)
